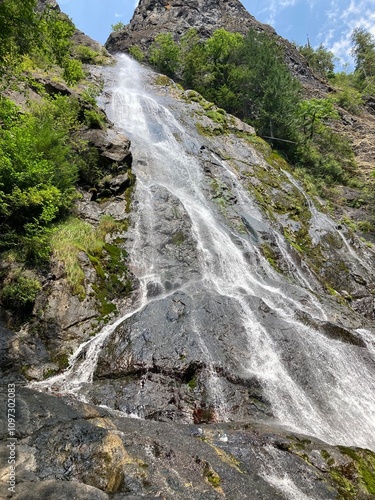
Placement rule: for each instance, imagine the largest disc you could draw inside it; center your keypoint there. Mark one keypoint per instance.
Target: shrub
(73, 71)
(38, 172)
(137, 53)
(94, 119)
(20, 291)
(164, 54)
(90, 93)
(118, 26)
(85, 54)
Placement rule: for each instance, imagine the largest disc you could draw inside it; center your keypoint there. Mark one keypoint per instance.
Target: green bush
(137, 53)
(73, 71)
(164, 54)
(118, 26)
(90, 93)
(94, 119)
(20, 291)
(38, 171)
(85, 54)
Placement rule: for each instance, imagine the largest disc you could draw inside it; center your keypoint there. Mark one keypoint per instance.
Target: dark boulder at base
(67, 449)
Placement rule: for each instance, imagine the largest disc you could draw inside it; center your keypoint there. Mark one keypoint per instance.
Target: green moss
(257, 142)
(365, 463)
(178, 238)
(108, 260)
(212, 477)
(221, 193)
(62, 360)
(208, 131)
(367, 474)
(217, 117)
(192, 384)
(344, 487)
(353, 478)
(327, 457)
(206, 105)
(162, 80)
(106, 307)
(270, 255)
(277, 161)
(349, 223)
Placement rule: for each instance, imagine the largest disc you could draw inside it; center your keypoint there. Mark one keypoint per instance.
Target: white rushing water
(322, 387)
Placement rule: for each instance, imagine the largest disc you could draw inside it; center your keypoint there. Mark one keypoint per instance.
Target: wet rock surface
(66, 449)
(187, 363)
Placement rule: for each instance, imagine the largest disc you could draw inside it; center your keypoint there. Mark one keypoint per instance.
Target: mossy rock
(355, 476)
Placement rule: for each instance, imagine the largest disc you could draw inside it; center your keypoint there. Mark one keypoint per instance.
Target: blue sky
(329, 22)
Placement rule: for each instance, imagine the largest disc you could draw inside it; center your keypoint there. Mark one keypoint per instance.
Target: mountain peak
(152, 17)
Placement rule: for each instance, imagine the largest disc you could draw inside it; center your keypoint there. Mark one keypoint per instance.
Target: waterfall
(315, 384)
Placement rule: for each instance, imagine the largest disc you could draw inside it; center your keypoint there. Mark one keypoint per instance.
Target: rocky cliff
(178, 405)
(152, 17)
(252, 315)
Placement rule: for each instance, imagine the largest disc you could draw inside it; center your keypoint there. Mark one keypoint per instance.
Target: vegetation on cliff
(46, 101)
(248, 77)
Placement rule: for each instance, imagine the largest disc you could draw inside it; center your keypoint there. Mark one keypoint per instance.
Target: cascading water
(315, 384)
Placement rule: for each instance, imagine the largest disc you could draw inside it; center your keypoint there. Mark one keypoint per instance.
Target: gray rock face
(58, 490)
(113, 146)
(67, 449)
(222, 346)
(199, 349)
(152, 17)
(42, 4)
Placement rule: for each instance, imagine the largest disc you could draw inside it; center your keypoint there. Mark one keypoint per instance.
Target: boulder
(113, 146)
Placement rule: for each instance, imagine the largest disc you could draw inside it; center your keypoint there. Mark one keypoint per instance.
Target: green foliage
(320, 60)
(247, 76)
(55, 34)
(94, 119)
(164, 54)
(322, 152)
(85, 54)
(269, 94)
(244, 75)
(313, 113)
(75, 236)
(90, 93)
(20, 290)
(42, 39)
(68, 240)
(191, 59)
(118, 26)
(17, 29)
(73, 71)
(137, 53)
(346, 95)
(220, 46)
(38, 172)
(364, 53)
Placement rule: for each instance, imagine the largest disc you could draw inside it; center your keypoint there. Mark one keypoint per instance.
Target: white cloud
(274, 8)
(341, 18)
